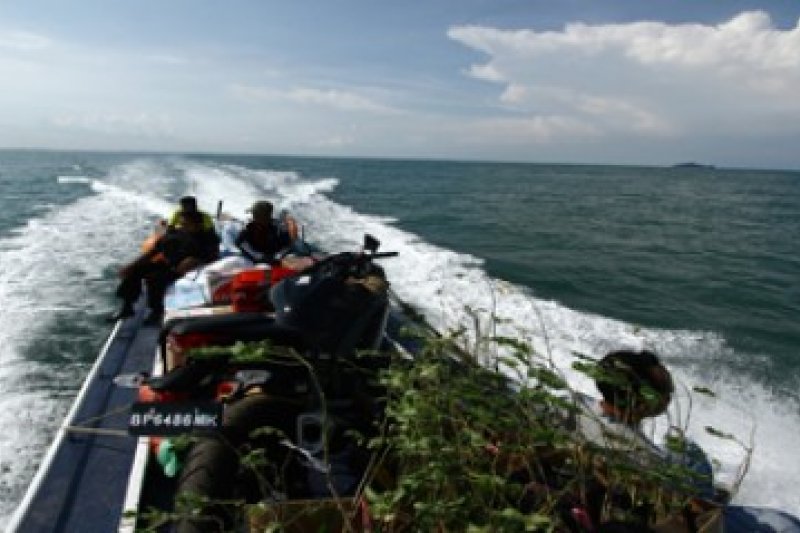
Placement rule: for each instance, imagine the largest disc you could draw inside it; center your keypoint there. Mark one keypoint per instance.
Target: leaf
(704, 390)
(720, 434)
(537, 522)
(584, 357)
(522, 349)
(675, 443)
(267, 431)
(547, 377)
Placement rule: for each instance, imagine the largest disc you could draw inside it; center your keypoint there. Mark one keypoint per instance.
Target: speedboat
(247, 412)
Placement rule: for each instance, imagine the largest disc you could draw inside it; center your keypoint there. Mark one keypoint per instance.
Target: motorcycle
(287, 421)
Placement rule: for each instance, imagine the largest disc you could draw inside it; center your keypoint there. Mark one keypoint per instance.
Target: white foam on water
(65, 180)
(237, 187)
(213, 184)
(285, 188)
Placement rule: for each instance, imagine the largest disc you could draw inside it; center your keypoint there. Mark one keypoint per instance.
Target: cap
(188, 204)
(261, 209)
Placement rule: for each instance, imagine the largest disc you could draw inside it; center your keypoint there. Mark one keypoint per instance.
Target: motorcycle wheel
(210, 472)
(211, 469)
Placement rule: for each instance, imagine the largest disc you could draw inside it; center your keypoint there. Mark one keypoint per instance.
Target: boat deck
(82, 481)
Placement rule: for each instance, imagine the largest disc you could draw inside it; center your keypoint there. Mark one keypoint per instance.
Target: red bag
(250, 290)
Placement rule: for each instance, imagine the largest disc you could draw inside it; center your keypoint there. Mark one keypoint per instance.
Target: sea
(699, 264)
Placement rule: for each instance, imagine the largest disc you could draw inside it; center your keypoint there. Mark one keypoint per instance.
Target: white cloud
(514, 94)
(330, 98)
(336, 142)
(22, 41)
(538, 129)
(147, 125)
(168, 59)
(646, 77)
(746, 40)
(486, 72)
(622, 115)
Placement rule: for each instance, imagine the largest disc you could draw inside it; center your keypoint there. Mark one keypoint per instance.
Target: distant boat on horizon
(692, 164)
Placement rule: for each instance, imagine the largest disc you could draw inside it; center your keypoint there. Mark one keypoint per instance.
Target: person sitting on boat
(262, 238)
(188, 204)
(635, 386)
(178, 251)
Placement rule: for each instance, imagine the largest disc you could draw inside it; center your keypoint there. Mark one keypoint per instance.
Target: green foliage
(245, 352)
(460, 447)
(472, 451)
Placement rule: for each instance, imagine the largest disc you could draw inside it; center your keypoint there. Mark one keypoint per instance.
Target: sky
(651, 82)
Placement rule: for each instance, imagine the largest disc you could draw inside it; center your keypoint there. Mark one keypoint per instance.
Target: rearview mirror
(371, 244)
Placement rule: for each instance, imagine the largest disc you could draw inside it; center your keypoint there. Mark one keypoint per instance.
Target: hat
(188, 204)
(261, 209)
(639, 380)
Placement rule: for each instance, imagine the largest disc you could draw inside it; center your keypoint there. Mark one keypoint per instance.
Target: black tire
(211, 468)
(210, 471)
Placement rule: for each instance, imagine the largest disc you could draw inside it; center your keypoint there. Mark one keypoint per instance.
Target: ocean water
(700, 265)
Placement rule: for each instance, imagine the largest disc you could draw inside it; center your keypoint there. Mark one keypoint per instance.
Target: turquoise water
(701, 265)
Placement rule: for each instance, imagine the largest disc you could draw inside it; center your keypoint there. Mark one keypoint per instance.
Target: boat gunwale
(136, 477)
